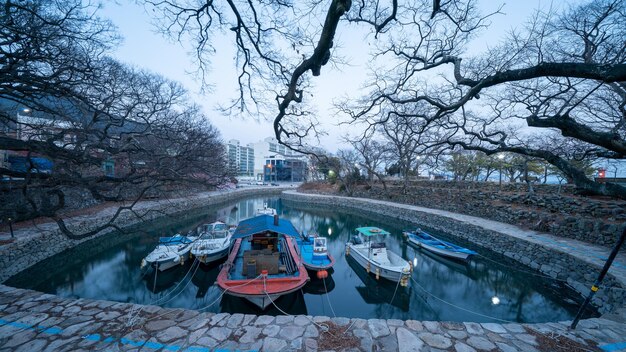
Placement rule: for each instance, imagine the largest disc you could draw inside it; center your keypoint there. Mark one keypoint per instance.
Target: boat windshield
(320, 242)
(220, 227)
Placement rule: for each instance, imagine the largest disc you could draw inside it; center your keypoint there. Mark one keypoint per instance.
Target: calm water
(440, 290)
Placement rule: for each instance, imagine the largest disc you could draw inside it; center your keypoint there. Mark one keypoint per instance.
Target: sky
(143, 47)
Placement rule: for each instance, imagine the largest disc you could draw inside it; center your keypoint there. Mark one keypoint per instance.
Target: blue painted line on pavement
(109, 339)
(614, 346)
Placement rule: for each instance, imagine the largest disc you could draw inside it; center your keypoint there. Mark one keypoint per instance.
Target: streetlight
(501, 157)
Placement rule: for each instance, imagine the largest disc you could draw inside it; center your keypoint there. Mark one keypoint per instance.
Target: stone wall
(559, 265)
(36, 244)
(559, 212)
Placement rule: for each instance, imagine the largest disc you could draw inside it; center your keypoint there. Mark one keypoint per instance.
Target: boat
(315, 256)
(425, 240)
(170, 252)
(264, 263)
(213, 244)
(266, 210)
(369, 250)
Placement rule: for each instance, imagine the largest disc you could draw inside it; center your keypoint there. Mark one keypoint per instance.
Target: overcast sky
(144, 48)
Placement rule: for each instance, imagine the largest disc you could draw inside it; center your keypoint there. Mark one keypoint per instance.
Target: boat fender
(377, 274)
(347, 250)
(368, 267)
(143, 263)
(322, 274)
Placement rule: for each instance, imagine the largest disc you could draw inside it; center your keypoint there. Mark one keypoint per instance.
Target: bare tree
(373, 155)
(562, 74)
(75, 119)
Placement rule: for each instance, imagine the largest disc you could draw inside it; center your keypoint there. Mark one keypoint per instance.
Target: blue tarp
(262, 223)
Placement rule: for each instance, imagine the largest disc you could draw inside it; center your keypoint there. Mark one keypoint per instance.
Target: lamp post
(11, 227)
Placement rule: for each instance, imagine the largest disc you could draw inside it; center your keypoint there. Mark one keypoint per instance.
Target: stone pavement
(32, 321)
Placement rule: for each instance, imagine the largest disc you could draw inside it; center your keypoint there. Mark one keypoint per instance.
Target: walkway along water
(32, 321)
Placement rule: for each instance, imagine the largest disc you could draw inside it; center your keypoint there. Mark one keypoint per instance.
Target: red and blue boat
(265, 261)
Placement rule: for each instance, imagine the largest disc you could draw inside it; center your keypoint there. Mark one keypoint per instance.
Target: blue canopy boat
(315, 256)
(423, 239)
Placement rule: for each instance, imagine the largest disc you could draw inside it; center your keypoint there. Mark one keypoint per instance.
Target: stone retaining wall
(564, 214)
(579, 275)
(36, 244)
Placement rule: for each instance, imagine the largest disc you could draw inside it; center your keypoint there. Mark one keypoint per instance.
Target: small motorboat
(369, 250)
(213, 244)
(170, 252)
(315, 256)
(266, 210)
(423, 239)
(264, 263)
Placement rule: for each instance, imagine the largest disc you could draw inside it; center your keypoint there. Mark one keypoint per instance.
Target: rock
(407, 341)
(414, 325)
(271, 344)
(378, 328)
(497, 328)
(301, 320)
(461, 347)
(219, 333)
(291, 332)
(526, 338)
(457, 334)
(284, 319)
(171, 333)
(235, 321)
(158, 325)
(271, 330)
(364, 336)
(251, 334)
(435, 340)
(311, 331)
(264, 320)
(473, 328)
(480, 343)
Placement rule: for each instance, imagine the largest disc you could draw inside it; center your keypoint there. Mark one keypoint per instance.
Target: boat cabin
(213, 230)
(373, 239)
(319, 247)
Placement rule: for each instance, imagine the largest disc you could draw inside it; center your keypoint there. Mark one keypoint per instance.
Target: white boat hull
(207, 257)
(393, 273)
(442, 252)
(168, 263)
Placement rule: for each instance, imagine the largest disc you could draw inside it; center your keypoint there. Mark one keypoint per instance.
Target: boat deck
(306, 251)
(236, 272)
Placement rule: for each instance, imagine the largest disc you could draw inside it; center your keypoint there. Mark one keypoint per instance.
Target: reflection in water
(96, 271)
(292, 303)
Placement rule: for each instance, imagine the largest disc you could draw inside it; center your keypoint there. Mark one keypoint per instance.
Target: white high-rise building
(240, 158)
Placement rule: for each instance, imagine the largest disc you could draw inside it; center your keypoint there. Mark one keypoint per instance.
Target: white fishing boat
(266, 210)
(170, 251)
(213, 244)
(369, 250)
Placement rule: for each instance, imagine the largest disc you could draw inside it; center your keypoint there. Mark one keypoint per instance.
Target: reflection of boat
(170, 251)
(264, 263)
(380, 292)
(213, 244)
(291, 303)
(435, 245)
(158, 281)
(368, 249)
(315, 256)
(204, 277)
(459, 266)
(266, 210)
(319, 286)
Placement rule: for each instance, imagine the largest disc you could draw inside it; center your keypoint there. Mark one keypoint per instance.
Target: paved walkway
(31, 321)
(590, 253)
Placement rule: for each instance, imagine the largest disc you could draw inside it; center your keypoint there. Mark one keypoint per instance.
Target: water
(440, 289)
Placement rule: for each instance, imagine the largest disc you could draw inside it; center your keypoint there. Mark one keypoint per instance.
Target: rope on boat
(132, 315)
(328, 298)
(226, 290)
(461, 308)
(396, 290)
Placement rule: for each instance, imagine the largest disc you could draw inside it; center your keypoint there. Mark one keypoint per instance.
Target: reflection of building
(240, 158)
(267, 160)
